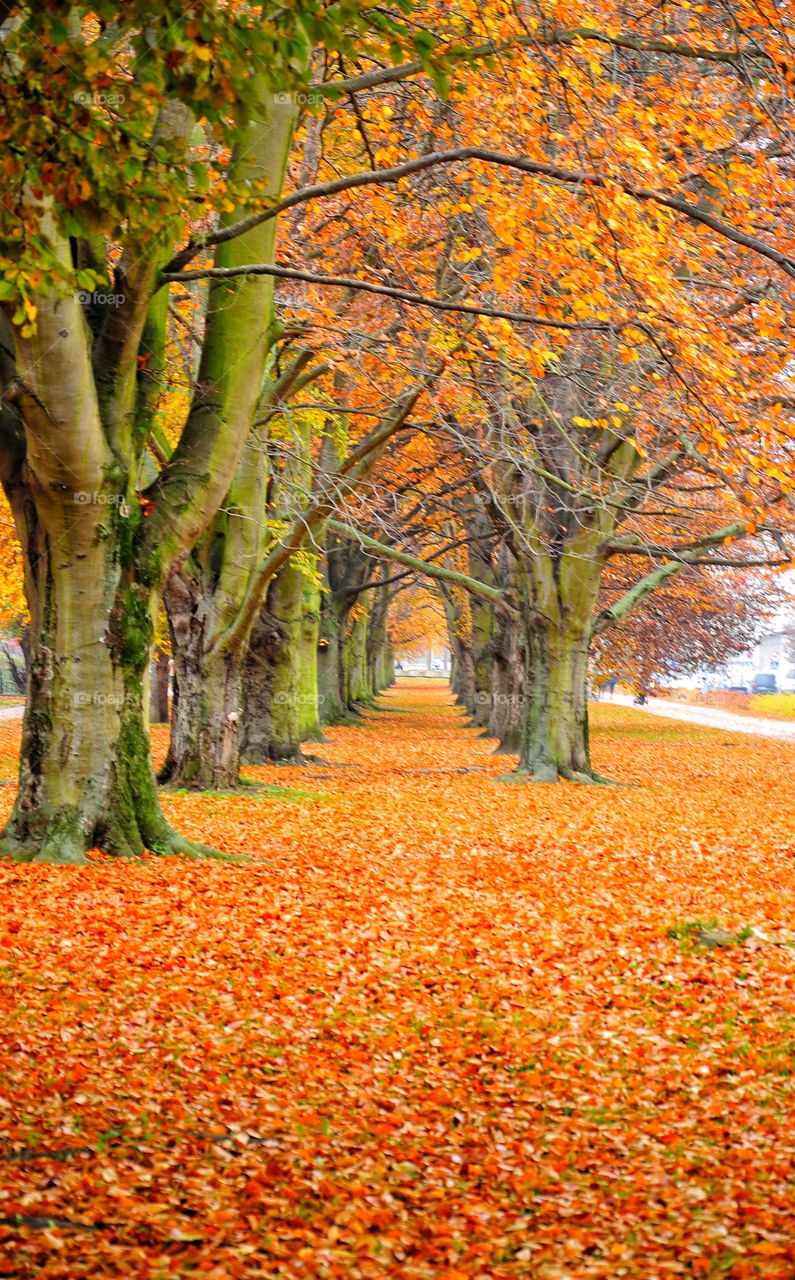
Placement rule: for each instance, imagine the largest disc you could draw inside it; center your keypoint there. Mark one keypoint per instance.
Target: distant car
(787, 682)
(737, 688)
(764, 682)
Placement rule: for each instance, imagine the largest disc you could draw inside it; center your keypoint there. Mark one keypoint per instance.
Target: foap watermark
(300, 98)
(291, 698)
(98, 299)
(86, 98)
(94, 498)
(505, 99)
(86, 698)
(484, 698)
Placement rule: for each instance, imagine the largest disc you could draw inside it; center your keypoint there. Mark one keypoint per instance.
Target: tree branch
(386, 291)
(492, 594)
(736, 58)
(534, 168)
(659, 575)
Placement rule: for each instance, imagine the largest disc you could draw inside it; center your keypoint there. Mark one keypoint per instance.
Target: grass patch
(708, 933)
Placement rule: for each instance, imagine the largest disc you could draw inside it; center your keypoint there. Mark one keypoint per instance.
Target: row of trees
(549, 372)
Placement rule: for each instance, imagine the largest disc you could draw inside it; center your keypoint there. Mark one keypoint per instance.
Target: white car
(786, 680)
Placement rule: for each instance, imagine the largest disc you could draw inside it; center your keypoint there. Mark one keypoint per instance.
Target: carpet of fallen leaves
(437, 1027)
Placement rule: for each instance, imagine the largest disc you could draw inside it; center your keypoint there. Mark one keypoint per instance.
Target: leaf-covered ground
(438, 1027)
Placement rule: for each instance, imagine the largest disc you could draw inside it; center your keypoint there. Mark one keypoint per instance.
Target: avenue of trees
(303, 305)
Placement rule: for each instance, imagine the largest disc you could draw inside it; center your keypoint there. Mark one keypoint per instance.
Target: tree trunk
(86, 777)
(507, 686)
(309, 729)
(358, 691)
(378, 641)
(329, 662)
(281, 695)
(204, 751)
(553, 740)
(482, 661)
(159, 682)
(482, 614)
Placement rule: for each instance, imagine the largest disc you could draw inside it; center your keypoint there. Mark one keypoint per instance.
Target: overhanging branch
(577, 178)
(383, 290)
(424, 567)
(737, 58)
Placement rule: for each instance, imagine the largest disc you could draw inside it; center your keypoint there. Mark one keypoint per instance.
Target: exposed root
(172, 844)
(61, 848)
(345, 718)
(60, 843)
(547, 773)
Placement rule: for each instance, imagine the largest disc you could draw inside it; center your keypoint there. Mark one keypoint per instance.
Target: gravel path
(712, 717)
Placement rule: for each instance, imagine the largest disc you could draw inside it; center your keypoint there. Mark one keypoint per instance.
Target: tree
(117, 127)
(662, 375)
(700, 618)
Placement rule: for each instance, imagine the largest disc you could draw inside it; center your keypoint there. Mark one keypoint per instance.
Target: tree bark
(281, 690)
(358, 691)
(159, 678)
(204, 751)
(86, 777)
(507, 685)
(329, 654)
(553, 739)
(557, 600)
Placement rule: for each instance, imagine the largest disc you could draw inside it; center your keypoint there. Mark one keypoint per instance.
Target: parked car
(764, 682)
(787, 682)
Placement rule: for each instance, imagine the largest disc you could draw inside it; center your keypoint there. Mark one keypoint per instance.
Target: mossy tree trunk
(86, 776)
(378, 640)
(92, 581)
(204, 748)
(281, 688)
(358, 689)
(204, 594)
(482, 613)
(343, 667)
(508, 679)
(329, 653)
(508, 669)
(557, 599)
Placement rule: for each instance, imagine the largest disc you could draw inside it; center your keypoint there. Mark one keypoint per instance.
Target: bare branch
(568, 177)
(386, 291)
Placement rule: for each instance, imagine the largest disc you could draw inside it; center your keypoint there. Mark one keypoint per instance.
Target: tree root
(172, 844)
(345, 718)
(57, 849)
(549, 773)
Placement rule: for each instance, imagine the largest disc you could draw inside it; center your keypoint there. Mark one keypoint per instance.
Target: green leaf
(201, 181)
